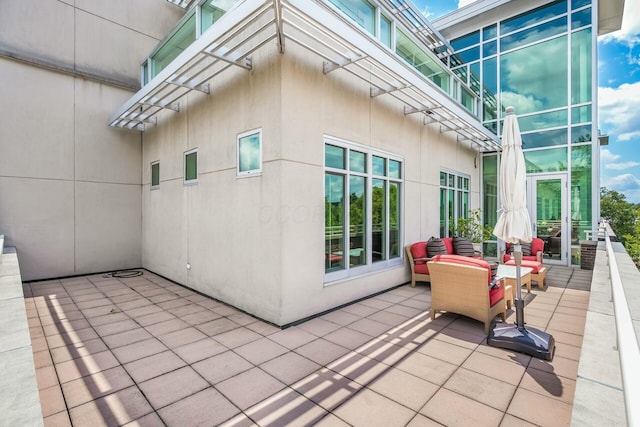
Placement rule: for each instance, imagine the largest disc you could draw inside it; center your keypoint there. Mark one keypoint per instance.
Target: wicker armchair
(460, 287)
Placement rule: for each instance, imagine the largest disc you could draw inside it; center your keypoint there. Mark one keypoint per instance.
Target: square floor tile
(91, 387)
(368, 408)
(347, 338)
(138, 350)
(218, 326)
(199, 350)
(181, 337)
(237, 337)
(527, 406)
(487, 390)
(62, 354)
(449, 408)
(207, 407)
(117, 408)
(51, 400)
(404, 388)
(173, 386)
(426, 367)
(260, 351)
(290, 367)
(221, 366)
(86, 365)
(249, 387)
(322, 351)
(128, 337)
(153, 366)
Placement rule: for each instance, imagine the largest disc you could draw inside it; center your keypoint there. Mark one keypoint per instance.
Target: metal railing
(627, 341)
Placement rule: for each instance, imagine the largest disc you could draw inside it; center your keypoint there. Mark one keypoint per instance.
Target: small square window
(155, 175)
(250, 153)
(191, 167)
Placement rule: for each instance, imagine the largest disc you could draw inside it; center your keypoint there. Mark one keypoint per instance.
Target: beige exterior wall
(70, 186)
(258, 242)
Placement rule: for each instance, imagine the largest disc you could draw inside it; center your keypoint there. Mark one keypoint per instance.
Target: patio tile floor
(145, 351)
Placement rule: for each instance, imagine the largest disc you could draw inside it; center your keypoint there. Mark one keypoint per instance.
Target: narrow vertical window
(250, 153)
(155, 175)
(191, 167)
(454, 201)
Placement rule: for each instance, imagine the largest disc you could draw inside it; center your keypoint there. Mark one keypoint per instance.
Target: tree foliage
(623, 218)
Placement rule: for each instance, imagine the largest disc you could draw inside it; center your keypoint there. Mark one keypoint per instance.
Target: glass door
(546, 196)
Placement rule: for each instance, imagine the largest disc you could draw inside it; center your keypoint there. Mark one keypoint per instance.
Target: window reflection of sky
(535, 78)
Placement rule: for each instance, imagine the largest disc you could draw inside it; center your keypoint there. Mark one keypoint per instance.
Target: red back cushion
(419, 250)
(537, 245)
(448, 243)
(463, 260)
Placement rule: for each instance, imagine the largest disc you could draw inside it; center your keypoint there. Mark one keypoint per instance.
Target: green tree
(623, 218)
(620, 213)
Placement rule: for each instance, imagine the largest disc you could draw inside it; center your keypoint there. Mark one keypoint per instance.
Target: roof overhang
(340, 44)
(609, 12)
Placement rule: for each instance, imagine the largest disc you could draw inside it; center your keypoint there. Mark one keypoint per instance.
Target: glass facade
(540, 62)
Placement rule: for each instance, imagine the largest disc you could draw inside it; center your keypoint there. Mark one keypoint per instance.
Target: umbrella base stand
(516, 337)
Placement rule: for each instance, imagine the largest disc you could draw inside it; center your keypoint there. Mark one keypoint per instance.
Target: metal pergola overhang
(341, 45)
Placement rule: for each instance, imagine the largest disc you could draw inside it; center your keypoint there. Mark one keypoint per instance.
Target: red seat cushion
(495, 295)
(508, 258)
(464, 260)
(448, 243)
(421, 268)
(535, 265)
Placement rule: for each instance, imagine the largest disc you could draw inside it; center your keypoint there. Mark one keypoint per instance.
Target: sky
(618, 96)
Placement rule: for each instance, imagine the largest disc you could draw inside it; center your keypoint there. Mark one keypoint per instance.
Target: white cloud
(608, 156)
(622, 183)
(621, 166)
(618, 110)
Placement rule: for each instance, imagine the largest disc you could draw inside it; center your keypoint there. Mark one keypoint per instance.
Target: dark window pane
(489, 32)
(489, 49)
(531, 17)
(357, 161)
(155, 174)
(379, 166)
(191, 167)
(581, 18)
(334, 221)
(534, 34)
(334, 157)
(466, 40)
(544, 139)
(580, 134)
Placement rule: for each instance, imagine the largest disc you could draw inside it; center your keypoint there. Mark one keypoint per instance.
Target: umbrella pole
(516, 337)
(517, 253)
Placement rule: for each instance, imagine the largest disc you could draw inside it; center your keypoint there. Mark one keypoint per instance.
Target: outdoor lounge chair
(462, 285)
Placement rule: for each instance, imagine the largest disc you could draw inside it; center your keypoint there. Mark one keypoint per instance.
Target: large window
(454, 200)
(362, 209)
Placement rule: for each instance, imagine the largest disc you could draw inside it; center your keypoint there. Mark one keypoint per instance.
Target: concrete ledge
(19, 398)
(599, 398)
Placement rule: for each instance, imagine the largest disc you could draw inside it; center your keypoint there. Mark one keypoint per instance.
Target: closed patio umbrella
(514, 227)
